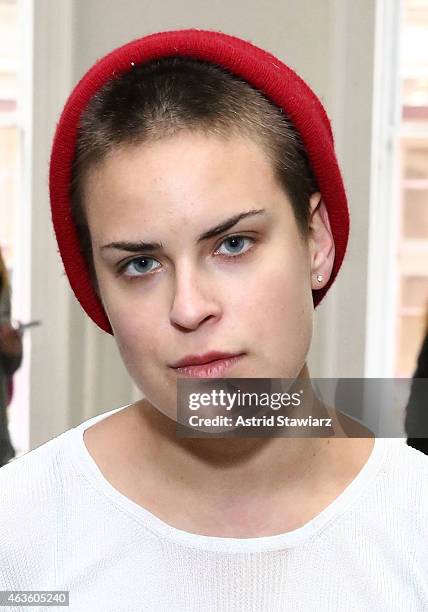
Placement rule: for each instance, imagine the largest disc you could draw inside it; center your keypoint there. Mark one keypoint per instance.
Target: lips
(210, 357)
(213, 369)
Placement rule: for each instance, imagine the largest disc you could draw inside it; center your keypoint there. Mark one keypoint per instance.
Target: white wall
(76, 370)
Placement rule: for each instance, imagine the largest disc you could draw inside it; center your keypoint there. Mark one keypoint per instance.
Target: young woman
(200, 215)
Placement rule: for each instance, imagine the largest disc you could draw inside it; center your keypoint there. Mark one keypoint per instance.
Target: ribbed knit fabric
(64, 527)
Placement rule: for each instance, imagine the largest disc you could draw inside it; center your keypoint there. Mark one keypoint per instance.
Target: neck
(235, 464)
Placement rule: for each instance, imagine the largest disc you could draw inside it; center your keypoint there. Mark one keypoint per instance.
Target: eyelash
(131, 277)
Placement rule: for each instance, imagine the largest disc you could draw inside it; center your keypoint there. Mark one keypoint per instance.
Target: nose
(194, 301)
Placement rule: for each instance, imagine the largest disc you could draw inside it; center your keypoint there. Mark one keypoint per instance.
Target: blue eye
(135, 269)
(239, 240)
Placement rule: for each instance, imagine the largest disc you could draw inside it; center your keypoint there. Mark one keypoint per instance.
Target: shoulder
(38, 483)
(33, 494)
(405, 462)
(30, 488)
(406, 459)
(405, 478)
(30, 467)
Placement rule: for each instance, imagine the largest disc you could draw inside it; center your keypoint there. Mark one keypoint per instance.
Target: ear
(321, 242)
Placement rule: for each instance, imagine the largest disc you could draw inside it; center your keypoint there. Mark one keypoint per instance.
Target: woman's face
(250, 294)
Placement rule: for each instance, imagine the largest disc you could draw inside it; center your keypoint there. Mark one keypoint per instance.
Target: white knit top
(63, 526)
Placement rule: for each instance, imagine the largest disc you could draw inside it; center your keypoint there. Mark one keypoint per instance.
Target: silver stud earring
(319, 278)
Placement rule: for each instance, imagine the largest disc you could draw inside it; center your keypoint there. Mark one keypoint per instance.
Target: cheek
(135, 334)
(278, 316)
(280, 297)
(141, 342)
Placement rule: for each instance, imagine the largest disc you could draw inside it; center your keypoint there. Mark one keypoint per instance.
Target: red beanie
(261, 70)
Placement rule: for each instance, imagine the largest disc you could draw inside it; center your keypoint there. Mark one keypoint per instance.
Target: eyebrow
(135, 247)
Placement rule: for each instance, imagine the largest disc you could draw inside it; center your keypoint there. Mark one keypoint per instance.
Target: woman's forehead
(204, 151)
(179, 178)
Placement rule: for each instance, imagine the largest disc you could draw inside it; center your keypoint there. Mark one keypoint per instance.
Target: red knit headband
(261, 70)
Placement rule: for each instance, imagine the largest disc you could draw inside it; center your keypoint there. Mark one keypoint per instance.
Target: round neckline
(86, 465)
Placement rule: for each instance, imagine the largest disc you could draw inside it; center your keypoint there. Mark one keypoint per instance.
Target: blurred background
(366, 60)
